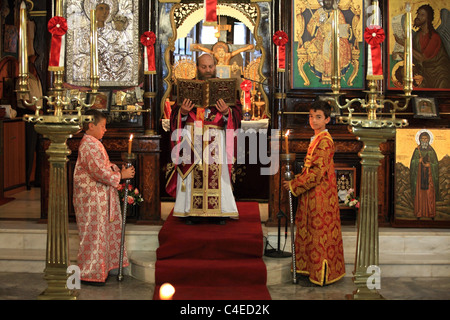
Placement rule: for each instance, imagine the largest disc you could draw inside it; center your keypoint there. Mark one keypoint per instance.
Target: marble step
(403, 252)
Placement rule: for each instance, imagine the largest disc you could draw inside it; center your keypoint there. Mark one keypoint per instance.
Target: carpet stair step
(211, 272)
(213, 257)
(206, 250)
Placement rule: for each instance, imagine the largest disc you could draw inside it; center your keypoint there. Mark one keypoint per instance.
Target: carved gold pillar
(57, 254)
(367, 246)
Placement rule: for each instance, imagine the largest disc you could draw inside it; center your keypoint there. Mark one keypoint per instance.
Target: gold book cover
(205, 93)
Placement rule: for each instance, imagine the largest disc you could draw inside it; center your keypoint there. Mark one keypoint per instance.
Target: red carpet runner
(213, 262)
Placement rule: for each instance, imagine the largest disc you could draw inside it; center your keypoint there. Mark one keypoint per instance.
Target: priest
(203, 149)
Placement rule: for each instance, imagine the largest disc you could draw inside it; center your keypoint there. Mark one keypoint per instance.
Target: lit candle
(130, 142)
(94, 51)
(23, 51)
(286, 141)
(166, 291)
(408, 65)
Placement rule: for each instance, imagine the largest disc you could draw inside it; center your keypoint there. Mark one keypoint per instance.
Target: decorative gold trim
(280, 95)
(374, 77)
(149, 94)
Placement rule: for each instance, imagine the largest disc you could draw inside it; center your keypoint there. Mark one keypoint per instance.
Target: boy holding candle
(97, 205)
(318, 242)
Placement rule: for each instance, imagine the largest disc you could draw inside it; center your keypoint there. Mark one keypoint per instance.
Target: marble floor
(27, 286)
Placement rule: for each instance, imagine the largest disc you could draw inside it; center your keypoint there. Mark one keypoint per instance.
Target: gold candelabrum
(372, 130)
(57, 126)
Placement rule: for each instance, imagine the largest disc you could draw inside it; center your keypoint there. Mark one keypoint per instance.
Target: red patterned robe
(318, 241)
(97, 209)
(203, 189)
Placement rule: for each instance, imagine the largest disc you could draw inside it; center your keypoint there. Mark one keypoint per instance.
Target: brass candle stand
(288, 159)
(57, 127)
(128, 158)
(372, 131)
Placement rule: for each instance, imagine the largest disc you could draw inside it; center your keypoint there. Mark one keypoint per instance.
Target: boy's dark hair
(98, 115)
(321, 105)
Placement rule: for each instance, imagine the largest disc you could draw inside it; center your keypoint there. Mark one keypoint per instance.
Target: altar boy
(97, 205)
(318, 242)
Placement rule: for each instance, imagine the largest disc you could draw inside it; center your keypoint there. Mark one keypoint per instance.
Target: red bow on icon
(57, 26)
(374, 36)
(246, 86)
(210, 11)
(148, 39)
(280, 39)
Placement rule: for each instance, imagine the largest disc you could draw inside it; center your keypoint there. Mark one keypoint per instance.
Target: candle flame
(131, 137)
(287, 133)
(166, 291)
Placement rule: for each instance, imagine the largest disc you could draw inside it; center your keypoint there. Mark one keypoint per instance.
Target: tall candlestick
(23, 50)
(376, 13)
(130, 143)
(57, 26)
(94, 52)
(286, 141)
(58, 9)
(335, 72)
(408, 65)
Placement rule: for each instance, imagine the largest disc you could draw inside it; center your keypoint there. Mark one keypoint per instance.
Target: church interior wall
(291, 113)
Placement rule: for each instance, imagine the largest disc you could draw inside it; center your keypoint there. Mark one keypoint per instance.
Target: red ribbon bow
(57, 26)
(280, 39)
(246, 86)
(148, 39)
(374, 36)
(210, 11)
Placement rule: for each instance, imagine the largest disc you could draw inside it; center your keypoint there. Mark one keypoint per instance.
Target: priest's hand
(222, 107)
(127, 173)
(186, 107)
(286, 185)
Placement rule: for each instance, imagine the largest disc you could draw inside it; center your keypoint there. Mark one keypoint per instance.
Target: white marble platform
(403, 252)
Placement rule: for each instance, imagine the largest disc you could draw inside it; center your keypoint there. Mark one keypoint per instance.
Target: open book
(205, 93)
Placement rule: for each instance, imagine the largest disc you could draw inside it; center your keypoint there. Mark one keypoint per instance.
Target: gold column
(57, 254)
(23, 51)
(367, 246)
